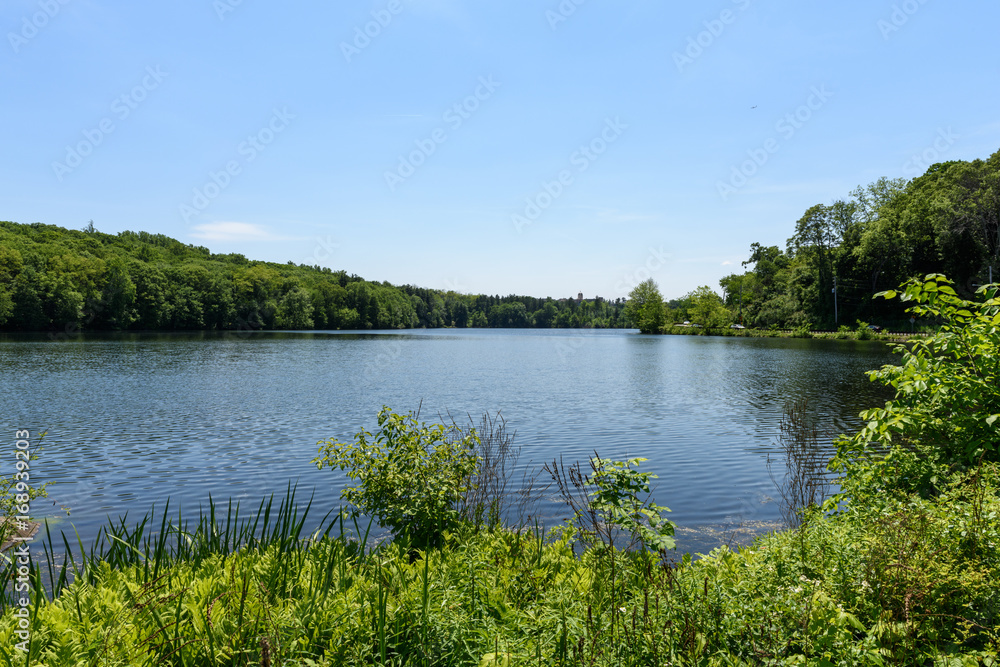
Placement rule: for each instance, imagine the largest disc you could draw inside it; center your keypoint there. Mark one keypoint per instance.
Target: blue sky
(538, 148)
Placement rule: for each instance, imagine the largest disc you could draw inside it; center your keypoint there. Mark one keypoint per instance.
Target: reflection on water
(133, 419)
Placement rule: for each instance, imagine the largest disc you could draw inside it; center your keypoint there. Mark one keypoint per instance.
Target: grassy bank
(904, 583)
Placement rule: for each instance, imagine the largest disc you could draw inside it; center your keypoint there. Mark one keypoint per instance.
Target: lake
(135, 418)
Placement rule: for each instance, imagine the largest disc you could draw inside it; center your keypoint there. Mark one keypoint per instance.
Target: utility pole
(741, 301)
(835, 299)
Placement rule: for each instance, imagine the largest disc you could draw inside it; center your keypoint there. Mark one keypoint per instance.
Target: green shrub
(863, 332)
(944, 416)
(803, 331)
(412, 476)
(606, 505)
(615, 498)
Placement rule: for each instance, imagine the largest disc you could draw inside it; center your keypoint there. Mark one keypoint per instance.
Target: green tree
(546, 316)
(294, 310)
(151, 303)
(645, 308)
(817, 234)
(28, 310)
(765, 298)
(118, 295)
(706, 308)
(509, 315)
(461, 315)
(11, 265)
(478, 320)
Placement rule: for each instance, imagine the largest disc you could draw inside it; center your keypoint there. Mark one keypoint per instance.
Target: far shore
(697, 330)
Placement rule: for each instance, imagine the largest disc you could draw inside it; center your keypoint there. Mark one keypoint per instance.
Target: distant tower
(579, 297)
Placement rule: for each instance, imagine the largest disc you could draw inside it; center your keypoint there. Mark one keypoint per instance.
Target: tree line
(55, 279)
(946, 221)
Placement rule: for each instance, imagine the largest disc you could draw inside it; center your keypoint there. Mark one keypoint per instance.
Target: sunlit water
(134, 419)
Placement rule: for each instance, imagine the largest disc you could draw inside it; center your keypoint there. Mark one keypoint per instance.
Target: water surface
(135, 418)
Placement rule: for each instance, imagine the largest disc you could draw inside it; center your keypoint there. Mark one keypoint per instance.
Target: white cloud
(232, 231)
(727, 263)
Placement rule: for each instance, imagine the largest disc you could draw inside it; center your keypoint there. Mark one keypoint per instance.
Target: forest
(841, 254)
(66, 281)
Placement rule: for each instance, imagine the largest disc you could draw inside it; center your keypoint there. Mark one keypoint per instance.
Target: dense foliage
(841, 255)
(945, 221)
(945, 416)
(64, 281)
(903, 587)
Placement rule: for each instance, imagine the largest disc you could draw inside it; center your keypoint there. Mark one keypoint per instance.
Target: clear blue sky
(269, 128)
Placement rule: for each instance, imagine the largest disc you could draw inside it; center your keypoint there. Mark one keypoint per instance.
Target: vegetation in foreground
(903, 568)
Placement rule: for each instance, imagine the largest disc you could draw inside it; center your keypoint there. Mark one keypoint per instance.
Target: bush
(607, 508)
(804, 330)
(412, 476)
(943, 418)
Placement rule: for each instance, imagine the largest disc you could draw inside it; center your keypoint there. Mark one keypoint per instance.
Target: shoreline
(888, 337)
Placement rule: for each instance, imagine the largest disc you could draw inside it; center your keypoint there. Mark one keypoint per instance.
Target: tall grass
(151, 544)
(257, 590)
